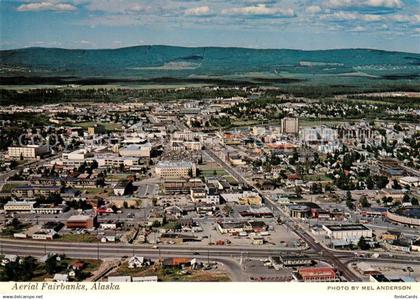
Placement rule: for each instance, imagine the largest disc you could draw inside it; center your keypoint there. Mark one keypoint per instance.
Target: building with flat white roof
(350, 232)
(19, 206)
(27, 152)
(170, 169)
(113, 160)
(136, 150)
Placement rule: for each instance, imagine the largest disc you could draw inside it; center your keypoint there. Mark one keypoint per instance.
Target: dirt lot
(173, 274)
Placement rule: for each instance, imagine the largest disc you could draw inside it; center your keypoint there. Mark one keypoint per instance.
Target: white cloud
(365, 3)
(412, 19)
(42, 6)
(313, 9)
(358, 29)
(259, 10)
(198, 11)
(350, 16)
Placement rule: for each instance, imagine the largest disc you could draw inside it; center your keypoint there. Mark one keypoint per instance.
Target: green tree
(362, 244)
(51, 264)
(364, 202)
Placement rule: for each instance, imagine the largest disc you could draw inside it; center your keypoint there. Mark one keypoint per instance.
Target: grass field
(213, 172)
(88, 238)
(7, 188)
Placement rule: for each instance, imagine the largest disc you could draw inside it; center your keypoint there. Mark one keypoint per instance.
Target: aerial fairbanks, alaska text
(61, 286)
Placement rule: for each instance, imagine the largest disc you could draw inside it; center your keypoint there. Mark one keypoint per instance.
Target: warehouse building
(351, 232)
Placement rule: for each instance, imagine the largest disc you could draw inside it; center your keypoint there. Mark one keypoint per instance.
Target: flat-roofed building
(171, 186)
(49, 209)
(317, 274)
(28, 152)
(290, 125)
(96, 129)
(19, 206)
(81, 221)
(347, 231)
(136, 150)
(290, 260)
(115, 161)
(33, 191)
(179, 169)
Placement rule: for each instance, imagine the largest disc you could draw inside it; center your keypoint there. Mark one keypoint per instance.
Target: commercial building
(96, 129)
(33, 191)
(136, 150)
(290, 125)
(171, 186)
(299, 211)
(181, 169)
(405, 215)
(28, 152)
(316, 274)
(233, 227)
(115, 161)
(49, 209)
(291, 260)
(81, 221)
(19, 206)
(409, 181)
(351, 232)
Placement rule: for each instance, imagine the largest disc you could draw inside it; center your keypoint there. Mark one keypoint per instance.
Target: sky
(293, 24)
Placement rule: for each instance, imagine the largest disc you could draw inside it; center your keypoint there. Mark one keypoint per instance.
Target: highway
(102, 250)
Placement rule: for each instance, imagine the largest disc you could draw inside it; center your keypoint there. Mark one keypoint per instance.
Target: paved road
(39, 248)
(327, 254)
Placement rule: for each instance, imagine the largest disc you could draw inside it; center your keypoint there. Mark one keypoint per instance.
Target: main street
(327, 254)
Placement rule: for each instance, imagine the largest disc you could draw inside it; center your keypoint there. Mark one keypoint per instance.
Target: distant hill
(204, 63)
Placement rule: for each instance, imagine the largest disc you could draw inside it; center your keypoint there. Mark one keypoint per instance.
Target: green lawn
(213, 172)
(7, 188)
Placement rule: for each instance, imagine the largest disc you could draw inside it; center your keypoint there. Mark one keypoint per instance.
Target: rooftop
(346, 227)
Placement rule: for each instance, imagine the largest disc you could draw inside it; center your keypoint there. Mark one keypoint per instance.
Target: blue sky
(295, 24)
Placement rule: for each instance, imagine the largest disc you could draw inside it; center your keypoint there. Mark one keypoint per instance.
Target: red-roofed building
(317, 274)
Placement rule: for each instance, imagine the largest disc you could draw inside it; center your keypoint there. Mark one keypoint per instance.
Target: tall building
(29, 151)
(290, 125)
(169, 169)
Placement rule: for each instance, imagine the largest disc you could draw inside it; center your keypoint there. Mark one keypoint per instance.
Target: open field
(7, 188)
(173, 274)
(88, 238)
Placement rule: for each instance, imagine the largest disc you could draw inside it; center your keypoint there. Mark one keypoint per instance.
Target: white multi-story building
(169, 169)
(19, 206)
(113, 160)
(28, 152)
